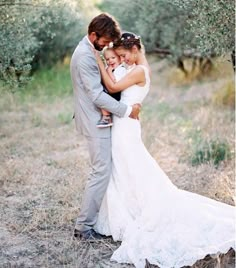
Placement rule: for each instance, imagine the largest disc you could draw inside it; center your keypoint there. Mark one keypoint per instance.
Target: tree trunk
(180, 65)
(233, 59)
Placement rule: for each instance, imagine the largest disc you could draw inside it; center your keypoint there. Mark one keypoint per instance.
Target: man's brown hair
(104, 25)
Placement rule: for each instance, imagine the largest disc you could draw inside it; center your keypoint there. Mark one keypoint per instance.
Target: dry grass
(225, 96)
(44, 165)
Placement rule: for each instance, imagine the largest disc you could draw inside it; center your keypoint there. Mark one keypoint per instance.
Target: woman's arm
(136, 76)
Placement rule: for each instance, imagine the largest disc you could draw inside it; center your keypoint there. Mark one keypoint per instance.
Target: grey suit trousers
(100, 157)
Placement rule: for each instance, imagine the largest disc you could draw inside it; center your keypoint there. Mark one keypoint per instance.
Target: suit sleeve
(91, 79)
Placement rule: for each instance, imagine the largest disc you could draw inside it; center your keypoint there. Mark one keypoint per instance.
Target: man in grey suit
(89, 97)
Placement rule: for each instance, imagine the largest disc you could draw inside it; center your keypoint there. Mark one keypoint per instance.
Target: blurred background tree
(213, 25)
(38, 33)
(17, 40)
(58, 29)
(180, 28)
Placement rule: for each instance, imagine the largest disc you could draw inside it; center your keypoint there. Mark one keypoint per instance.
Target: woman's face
(126, 55)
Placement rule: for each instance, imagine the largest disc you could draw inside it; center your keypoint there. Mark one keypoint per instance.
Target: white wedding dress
(152, 217)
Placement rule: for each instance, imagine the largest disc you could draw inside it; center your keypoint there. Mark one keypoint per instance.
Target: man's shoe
(89, 235)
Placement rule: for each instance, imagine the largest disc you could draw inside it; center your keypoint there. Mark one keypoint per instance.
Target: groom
(89, 97)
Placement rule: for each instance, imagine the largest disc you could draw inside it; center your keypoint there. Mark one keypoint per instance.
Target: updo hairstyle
(128, 40)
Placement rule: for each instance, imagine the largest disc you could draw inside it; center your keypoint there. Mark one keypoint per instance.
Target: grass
(51, 82)
(64, 118)
(213, 150)
(45, 86)
(225, 96)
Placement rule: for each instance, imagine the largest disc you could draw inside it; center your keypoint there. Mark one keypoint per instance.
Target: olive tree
(179, 28)
(35, 33)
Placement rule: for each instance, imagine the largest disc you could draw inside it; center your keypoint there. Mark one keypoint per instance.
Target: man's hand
(135, 111)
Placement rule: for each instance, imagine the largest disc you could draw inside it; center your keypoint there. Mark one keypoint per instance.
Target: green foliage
(35, 33)
(51, 82)
(208, 151)
(184, 27)
(211, 151)
(126, 12)
(213, 25)
(48, 87)
(64, 29)
(18, 42)
(45, 86)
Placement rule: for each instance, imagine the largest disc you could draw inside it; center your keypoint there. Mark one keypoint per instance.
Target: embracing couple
(127, 195)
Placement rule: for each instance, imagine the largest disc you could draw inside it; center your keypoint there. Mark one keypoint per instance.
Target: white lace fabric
(152, 217)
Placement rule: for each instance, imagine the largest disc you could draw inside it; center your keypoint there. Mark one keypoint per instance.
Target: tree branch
(186, 53)
(19, 4)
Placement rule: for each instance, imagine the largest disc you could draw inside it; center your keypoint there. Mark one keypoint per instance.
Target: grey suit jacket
(89, 96)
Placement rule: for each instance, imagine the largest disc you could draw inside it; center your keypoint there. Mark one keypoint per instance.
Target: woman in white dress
(142, 208)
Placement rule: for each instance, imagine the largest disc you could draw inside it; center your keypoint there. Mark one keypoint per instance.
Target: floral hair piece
(137, 37)
(128, 40)
(110, 45)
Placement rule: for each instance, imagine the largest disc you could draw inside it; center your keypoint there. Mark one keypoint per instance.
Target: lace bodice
(136, 94)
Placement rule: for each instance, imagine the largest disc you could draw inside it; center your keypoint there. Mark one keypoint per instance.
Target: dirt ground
(44, 165)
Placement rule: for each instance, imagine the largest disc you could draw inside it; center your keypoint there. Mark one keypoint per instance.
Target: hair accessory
(128, 40)
(137, 37)
(110, 45)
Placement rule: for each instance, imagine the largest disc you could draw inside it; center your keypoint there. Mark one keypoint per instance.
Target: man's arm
(90, 76)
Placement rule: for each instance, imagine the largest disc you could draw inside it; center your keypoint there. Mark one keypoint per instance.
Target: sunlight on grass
(45, 86)
(225, 96)
(219, 68)
(50, 82)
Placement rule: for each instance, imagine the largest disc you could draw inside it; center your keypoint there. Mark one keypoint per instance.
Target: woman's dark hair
(128, 40)
(104, 25)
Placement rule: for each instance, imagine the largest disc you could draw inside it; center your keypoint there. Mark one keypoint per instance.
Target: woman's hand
(135, 111)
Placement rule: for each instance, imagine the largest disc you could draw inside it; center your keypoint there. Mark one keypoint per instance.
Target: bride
(154, 219)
